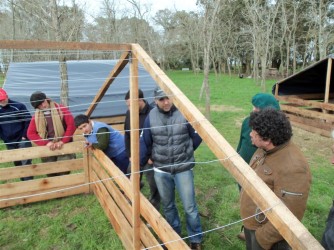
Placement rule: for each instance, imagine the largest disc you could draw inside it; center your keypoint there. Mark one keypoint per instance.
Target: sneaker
(241, 236)
(195, 246)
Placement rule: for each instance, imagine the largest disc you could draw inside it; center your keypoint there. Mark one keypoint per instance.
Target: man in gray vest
(169, 141)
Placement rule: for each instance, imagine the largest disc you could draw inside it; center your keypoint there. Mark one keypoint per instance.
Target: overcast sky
(92, 6)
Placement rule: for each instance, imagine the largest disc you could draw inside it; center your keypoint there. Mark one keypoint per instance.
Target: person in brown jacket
(283, 167)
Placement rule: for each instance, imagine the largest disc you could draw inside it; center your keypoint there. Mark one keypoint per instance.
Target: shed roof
(311, 80)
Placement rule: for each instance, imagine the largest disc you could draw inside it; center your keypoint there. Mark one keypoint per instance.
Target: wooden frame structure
(97, 167)
(310, 111)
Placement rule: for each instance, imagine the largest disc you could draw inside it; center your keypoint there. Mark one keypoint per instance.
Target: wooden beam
(320, 124)
(111, 77)
(307, 113)
(113, 213)
(39, 151)
(50, 45)
(311, 128)
(165, 232)
(134, 135)
(41, 185)
(87, 164)
(328, 79)
(146, 235)
(40, 169)
(306, 103)
(35, 196)
(280, 216)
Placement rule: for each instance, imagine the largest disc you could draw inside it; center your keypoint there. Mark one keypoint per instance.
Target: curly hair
(271, 124)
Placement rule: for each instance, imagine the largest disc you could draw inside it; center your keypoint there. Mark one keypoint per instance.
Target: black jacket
(142, 116)
(14, 121)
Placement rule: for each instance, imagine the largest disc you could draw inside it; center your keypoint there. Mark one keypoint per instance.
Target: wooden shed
(308, 97)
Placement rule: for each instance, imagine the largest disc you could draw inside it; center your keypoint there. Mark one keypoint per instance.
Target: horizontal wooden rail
(150, 214)
(49, 45)
(38, 152)
(307, 113)
(40, 169)
(41, 189)
(306, 103)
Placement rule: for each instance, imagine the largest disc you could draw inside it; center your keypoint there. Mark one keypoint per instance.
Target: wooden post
(87, 155)
(134, 135)
(328, 79)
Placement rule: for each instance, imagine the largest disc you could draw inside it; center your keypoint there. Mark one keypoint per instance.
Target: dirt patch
(312, 144)
(221, 108)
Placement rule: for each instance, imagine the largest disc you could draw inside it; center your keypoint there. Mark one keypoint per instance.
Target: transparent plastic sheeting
(85, 78)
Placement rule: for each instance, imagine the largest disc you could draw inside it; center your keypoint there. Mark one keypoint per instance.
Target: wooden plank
(111, 120)
(39, 151)
(40, 169)
(280, 216)
(50, 45)
(307, 113)
(87, 164)
(115, 216)
(306, 103)
(165, 232)
(146, 235)
(35, 196)
(110, 78)
(310, 122)
(314, 96)
(312, 129)
(42, 184)
(134, 134)
(328, 79)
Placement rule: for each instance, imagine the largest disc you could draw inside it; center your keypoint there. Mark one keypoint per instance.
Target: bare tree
(262, 17)
(211, 10)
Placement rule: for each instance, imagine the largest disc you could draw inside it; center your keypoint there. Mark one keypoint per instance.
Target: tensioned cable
(217, 228)
(108, 132)
(123, 176)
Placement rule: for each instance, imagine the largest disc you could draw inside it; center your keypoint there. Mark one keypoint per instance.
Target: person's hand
(51, 145)
(88, 144)
(59, 145)
(150, 161)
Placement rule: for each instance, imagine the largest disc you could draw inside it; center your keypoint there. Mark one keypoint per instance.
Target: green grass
(80, 223)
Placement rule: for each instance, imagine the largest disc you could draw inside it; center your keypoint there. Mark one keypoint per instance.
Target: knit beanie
(3, 95)
(37, 98)
(263, 100)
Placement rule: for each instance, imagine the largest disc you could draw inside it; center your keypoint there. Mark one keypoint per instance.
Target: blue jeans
(18, 145)
(122, 162)
(184, 183)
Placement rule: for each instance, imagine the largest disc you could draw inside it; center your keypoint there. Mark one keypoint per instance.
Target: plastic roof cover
(311, 80)
(85, 78)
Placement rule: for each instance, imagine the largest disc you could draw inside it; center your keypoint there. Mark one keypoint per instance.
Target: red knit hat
(3, 95)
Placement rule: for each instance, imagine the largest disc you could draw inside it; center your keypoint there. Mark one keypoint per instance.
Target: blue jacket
(14, 121)
(116, 139)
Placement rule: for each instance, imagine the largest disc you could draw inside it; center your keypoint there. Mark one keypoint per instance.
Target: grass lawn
(79, 222)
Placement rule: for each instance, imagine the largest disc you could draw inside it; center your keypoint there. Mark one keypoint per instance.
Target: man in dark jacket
(284, 168)
(144, 110)
(14, 122)
(169, 141)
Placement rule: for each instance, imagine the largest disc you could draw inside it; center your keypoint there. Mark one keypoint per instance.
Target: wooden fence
(94, 172)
